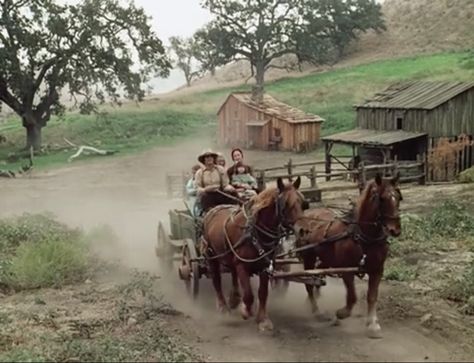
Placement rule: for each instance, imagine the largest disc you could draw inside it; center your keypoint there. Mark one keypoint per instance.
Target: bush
(38, 251)
(48, 263)
(33, 228)
(467, 176)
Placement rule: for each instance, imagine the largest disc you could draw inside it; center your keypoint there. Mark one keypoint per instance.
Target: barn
(269, 124)
(408, 118)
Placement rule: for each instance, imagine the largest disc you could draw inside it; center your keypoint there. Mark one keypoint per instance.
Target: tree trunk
(258, 89)
(213, 71)
(33, 137)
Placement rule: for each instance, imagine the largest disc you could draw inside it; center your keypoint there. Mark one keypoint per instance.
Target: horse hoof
(223, 309)
(234, 301)
(374, 331)
(246, 314)
(343, 313)
(265, 325)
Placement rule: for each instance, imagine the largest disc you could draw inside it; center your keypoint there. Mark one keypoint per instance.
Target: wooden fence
(410, 171)
(447, 157)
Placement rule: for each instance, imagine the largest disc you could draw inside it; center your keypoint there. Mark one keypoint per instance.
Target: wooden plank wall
(450, 119)
(233, 129)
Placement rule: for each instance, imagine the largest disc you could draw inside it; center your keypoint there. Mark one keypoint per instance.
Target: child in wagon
(243, 181)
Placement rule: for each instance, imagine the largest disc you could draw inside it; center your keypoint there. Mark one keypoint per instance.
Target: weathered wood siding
(233, 130)
(450, 119)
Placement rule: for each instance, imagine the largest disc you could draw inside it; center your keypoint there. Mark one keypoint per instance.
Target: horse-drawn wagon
(345, 247)
(180, 243)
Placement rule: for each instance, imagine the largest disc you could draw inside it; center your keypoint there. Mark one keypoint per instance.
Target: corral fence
(410, 172)
(442, 163)
(447, 157)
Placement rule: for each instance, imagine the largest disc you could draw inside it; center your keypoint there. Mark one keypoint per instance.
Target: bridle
(382, 218)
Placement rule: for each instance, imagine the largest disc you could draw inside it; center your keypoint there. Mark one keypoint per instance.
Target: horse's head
(385, 196)
(290, 202)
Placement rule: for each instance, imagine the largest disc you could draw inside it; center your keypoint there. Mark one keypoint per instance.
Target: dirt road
(128, 194)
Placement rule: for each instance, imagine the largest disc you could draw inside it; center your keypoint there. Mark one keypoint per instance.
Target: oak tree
(92, 50)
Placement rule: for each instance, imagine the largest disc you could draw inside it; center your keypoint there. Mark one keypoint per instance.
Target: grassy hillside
(331, 95)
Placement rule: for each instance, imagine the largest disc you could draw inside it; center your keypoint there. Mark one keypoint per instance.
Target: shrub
(38, 251)
(467, 176)
(49, 263)
(33, 228)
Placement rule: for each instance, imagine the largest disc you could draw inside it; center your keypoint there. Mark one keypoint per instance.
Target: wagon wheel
(189, 269)
(164, 250)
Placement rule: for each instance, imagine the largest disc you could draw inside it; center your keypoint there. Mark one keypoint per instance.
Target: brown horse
(357, 240)
(244, 240)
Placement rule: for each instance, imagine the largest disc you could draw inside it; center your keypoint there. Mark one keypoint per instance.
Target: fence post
(362, 176)
(168, 186)
(422, 168)
(426, 169)
(312, 177)
(290, 169)
(395, 165)
(261, 180)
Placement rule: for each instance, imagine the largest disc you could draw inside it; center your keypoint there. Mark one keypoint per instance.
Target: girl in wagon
(243, 181)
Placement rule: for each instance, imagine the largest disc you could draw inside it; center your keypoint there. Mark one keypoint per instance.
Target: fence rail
(410, 171)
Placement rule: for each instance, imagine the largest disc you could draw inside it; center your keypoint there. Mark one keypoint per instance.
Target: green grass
(331, 95)
(38, 251)
(449, 220)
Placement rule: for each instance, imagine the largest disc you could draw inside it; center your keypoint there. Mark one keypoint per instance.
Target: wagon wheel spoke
(163, 249)
(189, 269)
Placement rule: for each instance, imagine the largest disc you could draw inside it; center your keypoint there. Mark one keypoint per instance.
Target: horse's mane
(264, 199)
(363, 198)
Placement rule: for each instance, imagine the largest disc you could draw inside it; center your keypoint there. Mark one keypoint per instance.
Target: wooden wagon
(181, 244)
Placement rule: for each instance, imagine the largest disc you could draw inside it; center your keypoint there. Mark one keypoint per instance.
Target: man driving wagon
(212, 183)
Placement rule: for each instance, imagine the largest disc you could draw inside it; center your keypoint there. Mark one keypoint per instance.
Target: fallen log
(87, 149)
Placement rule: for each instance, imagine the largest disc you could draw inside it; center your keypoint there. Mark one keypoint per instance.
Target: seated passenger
(209, 180)
(237, 156)
(243, 182)
(191, 192)
(220, 160)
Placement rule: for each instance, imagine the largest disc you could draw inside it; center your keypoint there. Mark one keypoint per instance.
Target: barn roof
(373, 138)
(272, 107)
(417, 95)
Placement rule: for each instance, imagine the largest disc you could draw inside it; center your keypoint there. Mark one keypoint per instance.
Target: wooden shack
(407, 119)
(441, 109)
(267, 125)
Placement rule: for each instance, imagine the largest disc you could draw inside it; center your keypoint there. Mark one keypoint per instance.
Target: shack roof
(272, 107)
(425, 95)
(373, 138)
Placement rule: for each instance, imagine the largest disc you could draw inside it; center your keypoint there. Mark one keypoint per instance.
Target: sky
(173, 17)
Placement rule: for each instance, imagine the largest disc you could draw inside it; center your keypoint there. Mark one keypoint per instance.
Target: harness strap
(316, 244)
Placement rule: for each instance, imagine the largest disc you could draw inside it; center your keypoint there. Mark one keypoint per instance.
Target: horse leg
(244, 278)
(373, 327)
(351, 297)
(234, 298)
(217, 282)
(264, 323)
(308, 263)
